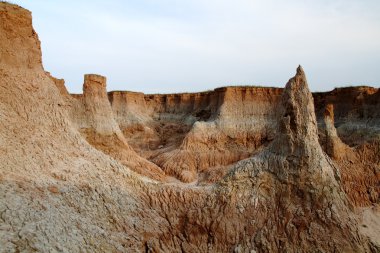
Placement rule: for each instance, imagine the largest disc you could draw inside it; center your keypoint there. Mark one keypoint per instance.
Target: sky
(169, 46)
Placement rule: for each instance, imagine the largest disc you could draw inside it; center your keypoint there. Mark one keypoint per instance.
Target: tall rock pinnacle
(281, 199)
(297, 138)
(293, 174)
(297, 122)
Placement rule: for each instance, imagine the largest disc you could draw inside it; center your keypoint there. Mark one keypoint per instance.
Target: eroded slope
(59, 193)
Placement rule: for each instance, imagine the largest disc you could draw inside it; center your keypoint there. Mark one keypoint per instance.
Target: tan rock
(59, 193)
(357, 165)
(94, 118)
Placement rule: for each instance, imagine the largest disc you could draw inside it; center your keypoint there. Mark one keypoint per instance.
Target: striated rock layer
(55, 189)
(199, 136)
(187, 134)
(356, 110)
(93, 117)
(359, 166)
(66, 169)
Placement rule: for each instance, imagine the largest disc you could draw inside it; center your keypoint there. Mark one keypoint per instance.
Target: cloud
(173, 46)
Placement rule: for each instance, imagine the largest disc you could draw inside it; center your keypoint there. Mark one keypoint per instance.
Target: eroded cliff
(66, 171)
(197, 136)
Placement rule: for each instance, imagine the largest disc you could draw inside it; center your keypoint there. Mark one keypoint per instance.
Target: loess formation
(236, 169)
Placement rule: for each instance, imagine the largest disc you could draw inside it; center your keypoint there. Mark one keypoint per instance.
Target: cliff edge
(67, 180)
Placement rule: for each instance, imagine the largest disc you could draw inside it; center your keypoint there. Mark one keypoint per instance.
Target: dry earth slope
(64, 187)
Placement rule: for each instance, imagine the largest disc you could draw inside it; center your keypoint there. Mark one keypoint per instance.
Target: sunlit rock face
(237, 169)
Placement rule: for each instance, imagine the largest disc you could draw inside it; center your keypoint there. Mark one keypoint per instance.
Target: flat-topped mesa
(97, 106)
(95, 85)
(201, 105)
(20, 46)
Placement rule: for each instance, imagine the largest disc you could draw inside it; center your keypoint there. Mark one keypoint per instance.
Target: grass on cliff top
(195, 92)
(343, 88)
(10, 3)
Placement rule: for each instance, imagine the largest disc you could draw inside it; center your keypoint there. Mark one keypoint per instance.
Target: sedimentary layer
(67, 180)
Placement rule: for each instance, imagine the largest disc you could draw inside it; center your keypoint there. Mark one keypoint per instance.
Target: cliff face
(189, 133)
(356, 111)
(66, 166)
(301, 196)
(48, 172)
(20, 46)
(349, 133)
(358, 166)
(94, 118)
(350, 102)
(199, 136)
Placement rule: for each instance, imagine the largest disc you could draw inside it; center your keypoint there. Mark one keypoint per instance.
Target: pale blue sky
(193, 45)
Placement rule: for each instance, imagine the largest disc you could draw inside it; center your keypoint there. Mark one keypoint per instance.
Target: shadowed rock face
(356, 113)
(358, 166)
(198, 136)
(335, 148)
(287, 195)
(94, 118)
(66, 179)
